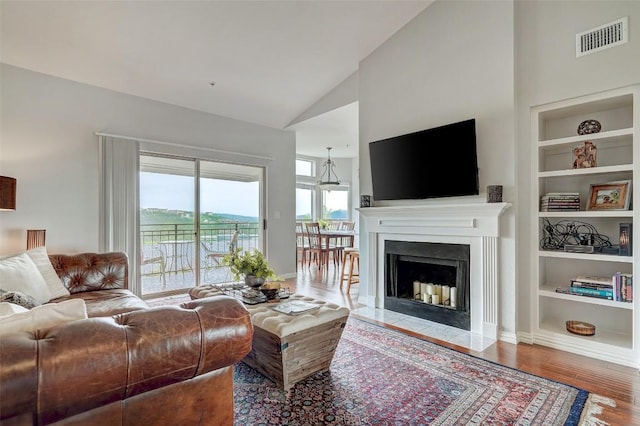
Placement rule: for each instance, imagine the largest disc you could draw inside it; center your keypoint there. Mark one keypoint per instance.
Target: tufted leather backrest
(92, 271)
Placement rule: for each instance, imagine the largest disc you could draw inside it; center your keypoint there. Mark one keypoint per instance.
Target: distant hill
(155, 216)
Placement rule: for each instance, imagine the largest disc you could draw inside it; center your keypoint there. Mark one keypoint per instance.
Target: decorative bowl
(582, 328)
(588, 127)
(270, 290)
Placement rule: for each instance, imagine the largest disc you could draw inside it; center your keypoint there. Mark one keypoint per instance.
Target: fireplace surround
(475, 224)
(414, 270)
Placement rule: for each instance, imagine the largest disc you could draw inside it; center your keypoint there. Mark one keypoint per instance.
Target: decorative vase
(253, 281)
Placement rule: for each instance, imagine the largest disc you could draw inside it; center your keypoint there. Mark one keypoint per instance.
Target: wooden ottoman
(289, 348)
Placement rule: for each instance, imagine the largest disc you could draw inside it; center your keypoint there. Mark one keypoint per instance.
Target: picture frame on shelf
(610, 196)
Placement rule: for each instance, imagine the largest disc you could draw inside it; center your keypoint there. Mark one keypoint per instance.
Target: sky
(174, 192)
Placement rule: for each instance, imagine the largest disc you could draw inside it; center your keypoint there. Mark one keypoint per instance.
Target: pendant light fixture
(329, 180)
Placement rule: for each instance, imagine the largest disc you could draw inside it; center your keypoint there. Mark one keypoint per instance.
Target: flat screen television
(432, 163)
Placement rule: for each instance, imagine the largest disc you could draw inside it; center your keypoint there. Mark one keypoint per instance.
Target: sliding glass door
(191, 212)
(230, 215)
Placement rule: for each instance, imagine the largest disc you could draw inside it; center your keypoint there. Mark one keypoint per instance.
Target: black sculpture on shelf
(571, 233)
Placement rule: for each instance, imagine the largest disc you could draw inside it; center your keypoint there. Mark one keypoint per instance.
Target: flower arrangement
(252, 262)
(324, 224)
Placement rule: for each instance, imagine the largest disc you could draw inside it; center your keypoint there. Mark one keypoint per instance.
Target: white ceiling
(270, 60)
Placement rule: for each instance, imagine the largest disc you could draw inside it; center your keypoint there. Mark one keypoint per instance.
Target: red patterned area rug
(382, 377)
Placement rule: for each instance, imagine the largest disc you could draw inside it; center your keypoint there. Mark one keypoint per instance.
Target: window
(313, 203)
(305, 167)
(335, 204)
(305, 195)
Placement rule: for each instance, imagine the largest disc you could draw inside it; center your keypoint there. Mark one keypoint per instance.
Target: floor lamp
(35, 238)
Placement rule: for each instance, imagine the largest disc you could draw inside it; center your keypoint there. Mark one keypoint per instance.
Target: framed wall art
(610, 196)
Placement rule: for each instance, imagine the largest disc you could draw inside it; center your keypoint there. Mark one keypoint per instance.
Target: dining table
(340, 239)
(328, 235)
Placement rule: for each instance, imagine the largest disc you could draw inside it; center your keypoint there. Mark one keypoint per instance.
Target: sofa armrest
(92, 271)
(81, 365)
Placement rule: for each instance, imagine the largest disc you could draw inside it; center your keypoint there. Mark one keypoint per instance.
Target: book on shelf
(594, 279)
(559, 199)
(595, 286)
(560, 203)
(603, 294)
(618, 287)
(560, 209)
(587, 292)
(623, 285)
(566, 194)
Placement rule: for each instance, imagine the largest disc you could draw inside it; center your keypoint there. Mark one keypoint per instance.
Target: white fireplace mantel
(475, 224)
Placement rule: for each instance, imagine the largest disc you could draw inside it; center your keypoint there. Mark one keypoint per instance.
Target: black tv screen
(432, 163)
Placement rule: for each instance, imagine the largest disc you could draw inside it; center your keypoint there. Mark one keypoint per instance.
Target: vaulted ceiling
(263, 62)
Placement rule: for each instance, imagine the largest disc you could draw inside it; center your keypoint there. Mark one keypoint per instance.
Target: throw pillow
(7, 308)
(19, 273)
(41, 259)
(44, 317)
(18, 298)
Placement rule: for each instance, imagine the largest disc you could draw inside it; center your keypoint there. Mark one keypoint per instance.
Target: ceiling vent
(602, 37)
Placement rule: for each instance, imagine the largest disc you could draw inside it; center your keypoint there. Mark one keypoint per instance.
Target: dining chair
(302, 245)
(319, 246)
(156, 257)
(214, 257)
(333, 225)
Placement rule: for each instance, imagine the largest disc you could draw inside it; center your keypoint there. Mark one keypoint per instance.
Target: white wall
(547, 71)
(343, 94)
(48, 143)
(454, 61)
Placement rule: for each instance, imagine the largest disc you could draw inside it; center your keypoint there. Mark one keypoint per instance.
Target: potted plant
(252, 265)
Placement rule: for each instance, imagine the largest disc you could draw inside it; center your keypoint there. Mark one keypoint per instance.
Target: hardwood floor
(619, 383)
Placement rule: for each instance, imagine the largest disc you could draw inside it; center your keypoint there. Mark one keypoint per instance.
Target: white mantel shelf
(475, 224)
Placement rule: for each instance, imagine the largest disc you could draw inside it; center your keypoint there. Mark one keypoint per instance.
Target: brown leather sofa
(127, 364)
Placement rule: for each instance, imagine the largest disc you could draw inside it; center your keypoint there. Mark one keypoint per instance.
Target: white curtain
(119, 189)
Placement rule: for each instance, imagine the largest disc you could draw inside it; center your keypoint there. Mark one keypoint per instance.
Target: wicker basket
(582, 328)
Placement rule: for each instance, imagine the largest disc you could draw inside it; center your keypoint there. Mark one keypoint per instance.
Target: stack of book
(618, 287)
(560, 202)
(593, 286)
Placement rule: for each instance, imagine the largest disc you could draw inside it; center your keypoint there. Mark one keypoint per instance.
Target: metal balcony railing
(169, 250)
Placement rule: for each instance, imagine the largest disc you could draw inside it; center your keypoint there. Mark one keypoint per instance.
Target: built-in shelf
(611, 136)
(617, 337)
(592, 171)
(589, 213)
(586, 256)
(550, 291)
(611, 338)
